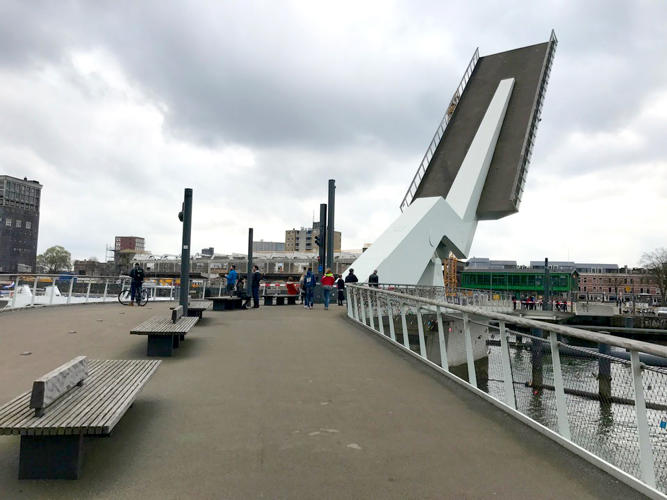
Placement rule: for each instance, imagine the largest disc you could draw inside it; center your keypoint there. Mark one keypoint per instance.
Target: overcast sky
(116, 106)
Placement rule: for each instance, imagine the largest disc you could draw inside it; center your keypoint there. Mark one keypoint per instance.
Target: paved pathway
(282, 402)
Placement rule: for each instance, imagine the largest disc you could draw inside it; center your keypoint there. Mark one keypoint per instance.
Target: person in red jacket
(328, 281)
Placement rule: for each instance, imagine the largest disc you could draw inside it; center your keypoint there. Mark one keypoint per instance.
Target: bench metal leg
(51, 457)
(291, 300)
(218, 305)
(176, 340)
(268, 301)
(280, 301)
(160, 345)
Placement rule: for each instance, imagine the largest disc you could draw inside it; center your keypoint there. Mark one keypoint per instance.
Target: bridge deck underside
(283, 402)
(525, 65)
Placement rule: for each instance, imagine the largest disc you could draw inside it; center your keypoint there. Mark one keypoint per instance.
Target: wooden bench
(197, 307)
(165, 334)
(80, 398)
(226, 303)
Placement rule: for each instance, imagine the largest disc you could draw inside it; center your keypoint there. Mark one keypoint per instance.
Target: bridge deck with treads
(283, 403)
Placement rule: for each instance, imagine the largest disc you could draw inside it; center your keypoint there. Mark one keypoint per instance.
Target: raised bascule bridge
(474, 168)
(410, 390)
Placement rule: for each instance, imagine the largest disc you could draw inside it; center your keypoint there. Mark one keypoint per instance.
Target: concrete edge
(611, 469)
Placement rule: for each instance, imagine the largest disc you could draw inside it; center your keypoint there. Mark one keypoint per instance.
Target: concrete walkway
(283, 402)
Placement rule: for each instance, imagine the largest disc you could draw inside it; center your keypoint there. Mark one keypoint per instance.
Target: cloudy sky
(116, 106)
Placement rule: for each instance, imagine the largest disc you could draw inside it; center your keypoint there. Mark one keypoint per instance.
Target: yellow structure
(450, 274)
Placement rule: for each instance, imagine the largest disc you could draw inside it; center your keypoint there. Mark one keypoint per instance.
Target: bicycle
(124, 296)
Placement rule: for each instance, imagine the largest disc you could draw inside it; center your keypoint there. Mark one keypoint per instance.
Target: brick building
(19, 224)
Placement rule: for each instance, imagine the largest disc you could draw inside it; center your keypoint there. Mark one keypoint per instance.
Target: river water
(607, 429)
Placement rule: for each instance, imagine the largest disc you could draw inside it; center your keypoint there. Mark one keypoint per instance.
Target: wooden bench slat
(99, 401)
(105, 423)
(111, 388)
(48, 423)
(10, 424)
(157, 326)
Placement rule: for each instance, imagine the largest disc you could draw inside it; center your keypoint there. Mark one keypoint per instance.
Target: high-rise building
(303, 240)
(19, 224)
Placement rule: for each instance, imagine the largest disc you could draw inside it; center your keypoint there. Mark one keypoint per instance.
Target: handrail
(635, 345)
(440, 131)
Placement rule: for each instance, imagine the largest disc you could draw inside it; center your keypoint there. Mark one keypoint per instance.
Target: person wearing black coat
(351, 278)
(256, 278)
(374, 279)
(340, 284)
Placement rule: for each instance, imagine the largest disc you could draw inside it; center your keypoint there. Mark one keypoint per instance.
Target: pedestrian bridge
(283, 402)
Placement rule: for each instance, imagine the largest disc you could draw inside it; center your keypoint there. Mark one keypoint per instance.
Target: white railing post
(404, 324)
(34, 292)
(355, 304)
(220, 288)
(88, 292)
(171, 291)
(510, 397)
(203, 292)
(16, 291)
(420, 329)
(370, 309)
(53, 291)
(348, 303)
(390, 315)
(106, 287)
(645, 451)
(71, 286)
(362, 306)
(472, 376)
(379, 311)
(444, 361)
(371, 321)
(561, 404)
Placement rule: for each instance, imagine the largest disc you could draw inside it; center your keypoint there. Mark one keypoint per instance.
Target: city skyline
(116, 122)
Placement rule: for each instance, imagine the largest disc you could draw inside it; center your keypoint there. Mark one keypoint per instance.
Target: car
(661, 312)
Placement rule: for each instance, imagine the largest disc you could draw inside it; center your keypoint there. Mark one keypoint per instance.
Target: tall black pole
(249, 280)
(185, 250)
(330, 224)
(323, 239)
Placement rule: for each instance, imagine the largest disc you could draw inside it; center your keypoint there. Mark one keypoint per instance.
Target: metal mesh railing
(605, 394)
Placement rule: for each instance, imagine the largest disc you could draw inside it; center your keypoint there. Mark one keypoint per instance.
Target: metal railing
(600, 396)
(529, 140)
(33, 290)
(439, 132)
(488, 299)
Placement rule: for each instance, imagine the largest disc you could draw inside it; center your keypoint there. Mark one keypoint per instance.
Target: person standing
(256, 278)
(309, 282)
(351, 277)
(232, 276)
(374, 279)
(328, 282)
(340, 284)
(137, 274)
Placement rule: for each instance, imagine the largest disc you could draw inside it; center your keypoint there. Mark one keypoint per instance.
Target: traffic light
(317, 240)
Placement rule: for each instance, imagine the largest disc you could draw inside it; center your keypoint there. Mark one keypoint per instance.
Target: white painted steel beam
(411, 249)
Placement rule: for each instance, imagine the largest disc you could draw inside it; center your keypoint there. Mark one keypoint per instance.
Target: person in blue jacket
(232, 276)
(309, 282)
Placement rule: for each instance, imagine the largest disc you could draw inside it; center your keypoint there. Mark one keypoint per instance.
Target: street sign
(320, 268)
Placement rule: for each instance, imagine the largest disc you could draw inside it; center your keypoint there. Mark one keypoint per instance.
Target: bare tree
(655, 263)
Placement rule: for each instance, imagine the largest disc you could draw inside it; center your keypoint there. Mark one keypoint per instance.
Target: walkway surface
(283, 402)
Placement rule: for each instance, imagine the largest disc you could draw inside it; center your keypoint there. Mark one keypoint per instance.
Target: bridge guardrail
(602, 397)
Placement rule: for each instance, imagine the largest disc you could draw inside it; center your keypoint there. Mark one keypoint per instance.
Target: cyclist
(137, 275)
